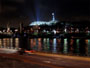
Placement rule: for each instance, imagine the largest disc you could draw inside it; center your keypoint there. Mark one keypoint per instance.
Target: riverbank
(7, 62)
(69, 56)
(42, 60)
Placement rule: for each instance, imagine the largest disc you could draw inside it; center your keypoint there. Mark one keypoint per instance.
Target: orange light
(31, 51)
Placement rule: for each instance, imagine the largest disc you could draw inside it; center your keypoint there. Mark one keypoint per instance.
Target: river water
(54, 45)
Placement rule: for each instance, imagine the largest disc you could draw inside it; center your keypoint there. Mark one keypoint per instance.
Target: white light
(3, 30)
(44, 30)
(52, 13)
(53, 18)
(54, 31)
(16, 30)
(42, 23)
(0, 31)
(65, 30)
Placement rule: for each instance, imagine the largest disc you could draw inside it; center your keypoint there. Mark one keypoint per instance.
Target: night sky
(15, 11)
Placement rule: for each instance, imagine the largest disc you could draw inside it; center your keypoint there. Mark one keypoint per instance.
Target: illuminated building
(8, 28)
(53, 21)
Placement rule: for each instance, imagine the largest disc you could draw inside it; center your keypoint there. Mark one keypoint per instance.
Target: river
(51, 45)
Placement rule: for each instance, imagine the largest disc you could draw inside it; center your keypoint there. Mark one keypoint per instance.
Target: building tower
(8, 27)
(53, 17)
(20, 28)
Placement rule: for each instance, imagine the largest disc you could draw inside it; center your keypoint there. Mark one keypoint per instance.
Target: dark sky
(13, 11)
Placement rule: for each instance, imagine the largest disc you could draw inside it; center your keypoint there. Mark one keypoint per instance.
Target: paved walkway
(11, 51)
(48, 60)
(64, 56)
(7, 51)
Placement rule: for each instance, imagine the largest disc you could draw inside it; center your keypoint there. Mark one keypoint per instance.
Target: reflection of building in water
(9, 42)
(39, 44)
(54, 45)
(65, 46)
(88, 47)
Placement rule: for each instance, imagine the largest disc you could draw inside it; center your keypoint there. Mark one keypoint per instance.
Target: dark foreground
(41, 60)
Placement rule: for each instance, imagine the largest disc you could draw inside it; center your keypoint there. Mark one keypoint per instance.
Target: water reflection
(74, 46)
(46, 47)
(11, 43)
(39, 44)
(71, 46)
(53, 45)
(82, 47)
(65, 46)
(88, 47)
(77, 42)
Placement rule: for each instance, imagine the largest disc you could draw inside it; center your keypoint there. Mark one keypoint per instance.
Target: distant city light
(16, 30)
(42, 23)
(65, 30)
(44, 30)
(0, 31)
(3, 30)
(54, 31)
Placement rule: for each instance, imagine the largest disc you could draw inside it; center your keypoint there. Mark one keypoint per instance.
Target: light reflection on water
(77, 45)
(60, 46)
(65, 45)
(9, 43)
(88, 46)
(54, 45)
